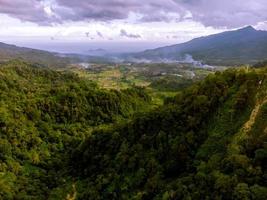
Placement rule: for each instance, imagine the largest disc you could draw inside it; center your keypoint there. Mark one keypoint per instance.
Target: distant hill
(243, 46)
(97, 52)
(46, 58)
(8, 52)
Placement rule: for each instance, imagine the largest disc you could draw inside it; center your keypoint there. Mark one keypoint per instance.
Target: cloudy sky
(121, 25)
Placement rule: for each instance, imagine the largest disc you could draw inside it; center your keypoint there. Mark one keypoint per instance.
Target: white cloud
(150, 31)
(261, 25)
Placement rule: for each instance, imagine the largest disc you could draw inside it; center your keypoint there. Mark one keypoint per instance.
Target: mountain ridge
(42, 57)
(242, 46)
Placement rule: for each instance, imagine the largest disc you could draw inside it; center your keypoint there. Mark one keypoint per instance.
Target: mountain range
(242, 46)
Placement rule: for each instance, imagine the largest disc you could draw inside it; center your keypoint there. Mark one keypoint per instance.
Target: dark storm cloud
(25, 10)
(87, 34)
(229, 13)
(124, 33)
(99, 34)
(106, 10)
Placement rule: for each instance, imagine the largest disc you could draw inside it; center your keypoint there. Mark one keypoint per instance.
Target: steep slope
(243, 46)
(44, 114)
(183, 150)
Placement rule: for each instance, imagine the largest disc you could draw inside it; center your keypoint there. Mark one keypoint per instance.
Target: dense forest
(171, 83)
(209, 142)
(44, 114)
(63, 137)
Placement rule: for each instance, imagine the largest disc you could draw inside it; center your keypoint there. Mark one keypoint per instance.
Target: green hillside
(209, 142)
(9, 52)
(44, 114)
(43, 58)
(63, 137)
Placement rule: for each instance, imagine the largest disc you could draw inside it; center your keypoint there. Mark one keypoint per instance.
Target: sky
(121, 25)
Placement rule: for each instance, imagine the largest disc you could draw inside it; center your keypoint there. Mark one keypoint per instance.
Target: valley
(161, 80)
(132, 132)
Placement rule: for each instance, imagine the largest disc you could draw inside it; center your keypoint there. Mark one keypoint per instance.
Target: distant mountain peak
(242, 46)
(248, 28)
(99, 49)
(97, 52)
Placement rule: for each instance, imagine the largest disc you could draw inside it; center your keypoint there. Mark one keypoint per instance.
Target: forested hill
(44, 58)
(57, 140)
(208, 142)
(44, 114)
(10, 52)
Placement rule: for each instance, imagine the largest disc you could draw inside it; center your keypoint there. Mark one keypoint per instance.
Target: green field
(149, 76)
